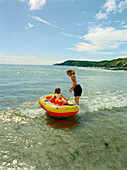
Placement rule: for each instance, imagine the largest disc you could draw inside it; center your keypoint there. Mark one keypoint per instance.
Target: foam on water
(89, 103)
(107, 100)
(29, 104)
(20, 115)
(33, 113)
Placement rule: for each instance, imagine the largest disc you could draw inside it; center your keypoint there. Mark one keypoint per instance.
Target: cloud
(99, 39)
(111, 6)
(29, 25)
(117, 21)
(125, 26)
(45, 22)
(108, 7)
(101, 15)
(69, 35)
(84, 12)
(124, 52)
(29, 60)
(121, 57)
(80, 24)
(36, 4)
(17, 59)
(107, 53)
(122, 5)
(86, 59)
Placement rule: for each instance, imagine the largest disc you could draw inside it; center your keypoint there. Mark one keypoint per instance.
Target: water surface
(95, 139)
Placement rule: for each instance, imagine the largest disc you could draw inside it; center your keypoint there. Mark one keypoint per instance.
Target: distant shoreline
(116, 64)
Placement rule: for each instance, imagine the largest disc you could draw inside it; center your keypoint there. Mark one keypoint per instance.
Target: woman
(75, 86)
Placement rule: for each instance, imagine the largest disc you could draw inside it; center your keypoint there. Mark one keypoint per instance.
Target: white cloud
(124, 26)
(82, 46)
(45, 22)
(80, 24)
(17, 59)
(83, 12)
(107, 53)
(25, 60)
(122, 5)
(122, 23)
(29, 25)
(117, 21)
(87, 59)
(36, 4)
(111, 6)
(99, 39)
(108, 7)
(101, 15)
(69, 35)
(121, 57)
(125, 52)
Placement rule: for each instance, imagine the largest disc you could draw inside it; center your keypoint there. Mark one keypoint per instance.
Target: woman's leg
(77, 100)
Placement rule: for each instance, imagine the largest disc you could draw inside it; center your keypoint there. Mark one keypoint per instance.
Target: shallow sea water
(94, 139)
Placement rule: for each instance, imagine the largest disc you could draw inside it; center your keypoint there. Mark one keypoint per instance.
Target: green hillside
(116, 64)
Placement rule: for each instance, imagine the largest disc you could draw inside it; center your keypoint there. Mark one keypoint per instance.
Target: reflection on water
(61, 123)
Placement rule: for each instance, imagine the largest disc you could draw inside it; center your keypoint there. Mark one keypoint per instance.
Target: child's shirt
(57, 96)
(58, 99)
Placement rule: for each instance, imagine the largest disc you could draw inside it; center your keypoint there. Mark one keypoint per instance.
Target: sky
(45, 32)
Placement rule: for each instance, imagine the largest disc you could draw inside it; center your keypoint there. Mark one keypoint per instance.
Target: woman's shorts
(77, 90)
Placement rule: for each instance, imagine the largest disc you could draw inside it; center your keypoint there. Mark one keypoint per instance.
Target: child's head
(70, 72)
(57, 90)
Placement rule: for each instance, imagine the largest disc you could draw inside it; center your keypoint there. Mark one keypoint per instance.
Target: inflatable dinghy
(67, 109)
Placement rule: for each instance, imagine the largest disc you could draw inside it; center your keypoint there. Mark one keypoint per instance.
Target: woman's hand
(70, 90)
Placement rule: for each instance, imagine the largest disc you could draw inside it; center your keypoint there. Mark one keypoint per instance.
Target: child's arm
(50, 98)
(66, 99)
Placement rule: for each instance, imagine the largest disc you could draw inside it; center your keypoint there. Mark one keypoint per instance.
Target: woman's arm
(74, 83)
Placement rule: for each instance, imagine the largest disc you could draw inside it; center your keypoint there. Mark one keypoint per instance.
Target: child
(75, 86)
(58, 97)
